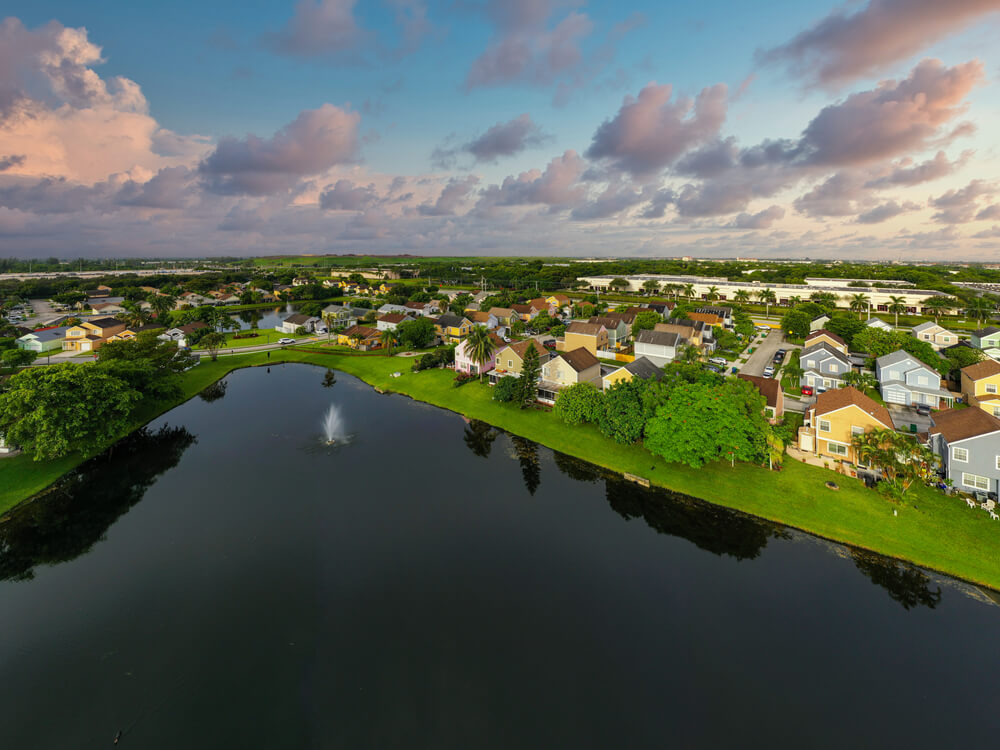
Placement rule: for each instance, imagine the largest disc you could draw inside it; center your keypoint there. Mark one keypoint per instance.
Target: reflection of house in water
(79, 510)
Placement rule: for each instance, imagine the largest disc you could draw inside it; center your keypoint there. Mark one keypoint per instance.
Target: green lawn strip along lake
(931, 530)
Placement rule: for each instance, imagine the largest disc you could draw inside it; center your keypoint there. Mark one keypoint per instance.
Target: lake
(223, 579)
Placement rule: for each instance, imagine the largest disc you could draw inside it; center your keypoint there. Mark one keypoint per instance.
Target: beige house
(836, 418)
(589, 336)
(510, 358)
(823, 336)
(566, 369)
(981, 386)
(937, 336)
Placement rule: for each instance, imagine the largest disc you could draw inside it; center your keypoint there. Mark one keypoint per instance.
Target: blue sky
(209, 72)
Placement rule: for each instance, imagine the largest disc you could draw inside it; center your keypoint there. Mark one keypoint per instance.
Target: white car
(769, 372)
(721, 361)
(286, 341)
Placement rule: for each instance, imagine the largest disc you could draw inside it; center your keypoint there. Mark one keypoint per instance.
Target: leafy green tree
(618, 283)
(645, 321)
(213, 341)
(901, 459)
(579, 404)
(652, 286)
(52, 411)
(531, 370)
(795, 323)
(18, 357)
(624, 414)
(827, 300)
(963, 356)
(863, 381)
(507, 389)
(939, 305)
(846, 327)
(700, 423)
(415, 334)
(558, 330)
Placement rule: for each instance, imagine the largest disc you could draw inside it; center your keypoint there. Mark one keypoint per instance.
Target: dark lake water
(223, 580)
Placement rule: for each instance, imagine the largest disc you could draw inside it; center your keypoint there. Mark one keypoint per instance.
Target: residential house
(389, 321)
(388, 308)
(986, 338)
(836, 418)
(427, 309)
(823, 336)
(90, 335)
(819, 322)
(566, 369)
(359, 337)
(293, 322)
(543, 305)
(180, 333)
(981, 385)
(44, 340)
(659, 347)
(694, 332)
(194, 300)
(301, 281)
(904, 379)
(724, 316)
(663, 308)
(504, 315)
(591, 336)
(131, 332)
(616, 327)
(452, 328)
(559, 300)
(626, 316)
(823, 365)
(770, 389)
(464, 362)
(511, 357)
(107, 308)
(341, 316)
(879, 323)
(363, 313)
(641, 368)
(485, 319)
(526, 312)
(968, 442)
(937, 336)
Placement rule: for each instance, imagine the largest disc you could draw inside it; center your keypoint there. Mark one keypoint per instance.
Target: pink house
(464, 363)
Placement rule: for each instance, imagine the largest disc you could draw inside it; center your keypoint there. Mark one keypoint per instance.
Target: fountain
(333, 425)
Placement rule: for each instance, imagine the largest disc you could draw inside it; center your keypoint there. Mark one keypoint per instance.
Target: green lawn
(931, 529)
(258, 339)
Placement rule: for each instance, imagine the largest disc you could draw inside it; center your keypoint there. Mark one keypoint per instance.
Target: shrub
(462, 378)
(506, 390)
(579, 403)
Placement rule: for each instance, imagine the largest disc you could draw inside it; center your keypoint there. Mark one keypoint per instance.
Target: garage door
(893, 396)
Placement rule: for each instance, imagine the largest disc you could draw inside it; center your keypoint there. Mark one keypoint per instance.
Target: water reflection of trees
(527, 455)
(906, 584)
(479, 437)
(213, 392)
(67, 521)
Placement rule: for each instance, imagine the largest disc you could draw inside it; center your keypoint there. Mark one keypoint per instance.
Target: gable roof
(586, 329)
(298, 318)
(414, 305)
(522, 309)
(451, 321)
(366, 331)
(500, 312)
(926, 325)
(983, 369)
(961, 424)
(894, 358)
(823, 332)
(839, 398)
(520, 348)
(769, 388)
(478, 316)
(48, 334)
(539, 303)
(603, 320)
(641, 367)
(988, 331)
(579, 359)
(821, 316)
(658, 338)
(192, 327)
(393, 318)
(103, 322)
(825, 347)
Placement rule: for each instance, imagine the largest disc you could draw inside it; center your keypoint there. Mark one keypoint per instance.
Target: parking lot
(763, 356)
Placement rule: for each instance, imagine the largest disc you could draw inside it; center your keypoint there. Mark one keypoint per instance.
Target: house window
(510, 363)
(837, 449)
(946, 339)
(998, 462)
(927, 337)
(833, 368)
(824, 425)
(959, 454)
(975, 481)
(811, 363)
(996, 411)
(827, 383)
(857, 431)
(991, 388)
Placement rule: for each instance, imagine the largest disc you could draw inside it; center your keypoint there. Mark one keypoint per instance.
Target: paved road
(43, 309)
(764, 354)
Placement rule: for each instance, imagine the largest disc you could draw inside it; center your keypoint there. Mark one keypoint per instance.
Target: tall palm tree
(980, 308)
(133, 316)
(690, 353)
(742, 296)
(651, 286)
(689, 291)
(161, 304)
(479, 346)
(329, 318)
(388, 340)
(795, 299)
(896, 306)
(858, 302)
(713, 293)
(768, 297)
(938, 305)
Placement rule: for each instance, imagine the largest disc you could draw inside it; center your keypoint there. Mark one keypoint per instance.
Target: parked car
(286, 340)
(806, 390)
(923, 410)
(769, 372)
(721, 361)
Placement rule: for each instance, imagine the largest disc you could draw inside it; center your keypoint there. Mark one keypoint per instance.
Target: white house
(878, 323)
(906, 380)
(293, 322)
(659, 347)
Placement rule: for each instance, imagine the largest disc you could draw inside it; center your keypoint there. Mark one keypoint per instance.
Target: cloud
(503, 139)
(885, 211)
(988, 234)
(845, 45)
(11, 161)
(320, 29)
(453, 195)
(344, 196)
(838, 195)
(760, 220)
(312, 143)
(411, 18)
(959, 206)
(170, 188)
(990, 213)
(524, 48)
(650, 131)
(557, 187)
(907, 173)
(616, 198)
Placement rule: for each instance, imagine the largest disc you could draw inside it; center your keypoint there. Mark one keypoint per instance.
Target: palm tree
(896, 306)
(689, 291)
(479, 346)
(980, 308)
(160, 304)
(713, 293)
(768, 297)
(133, 316)
(329, 318)
(827, 299)
(938, 305)
(690, 353)
(651, 286)
(863, 381)
(742, 296)
(858, 303)
(794, 300)
(388, 340)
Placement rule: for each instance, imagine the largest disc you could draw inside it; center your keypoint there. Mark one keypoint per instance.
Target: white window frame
(991, 388)
(835, 449)
(998, 462)
(975, 481)
(955, 454)
(855, 430)
(824, 422)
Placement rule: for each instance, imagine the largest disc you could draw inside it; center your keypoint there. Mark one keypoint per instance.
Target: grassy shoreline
(930, 530)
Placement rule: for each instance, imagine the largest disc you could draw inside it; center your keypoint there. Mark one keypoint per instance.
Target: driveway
(903, 417)
(764, 354)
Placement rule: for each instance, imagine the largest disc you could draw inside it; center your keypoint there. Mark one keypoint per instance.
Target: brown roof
(982, 369)
(587, 329)
(562, 298)
(839, 398)
(523, 309)
(478, 316)
(604, 320)
(579, 359)
(628, 316)
(959, 424)
(192, 327)
(768, 387)
(393, 318)
(415, 305)
(366, 331)
(710, 318)
(828, 334)
(539, 304)
(521, 347)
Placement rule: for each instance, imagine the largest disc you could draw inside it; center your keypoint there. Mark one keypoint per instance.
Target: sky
(855, 130)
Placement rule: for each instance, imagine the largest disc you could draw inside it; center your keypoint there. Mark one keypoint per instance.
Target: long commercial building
(785, 294)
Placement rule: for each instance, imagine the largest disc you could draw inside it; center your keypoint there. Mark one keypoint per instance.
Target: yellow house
(91, 334)
(981, 386)
(836, 418)
(452, 328)
(360, 337)
(640, 367)
(823, 336)
(559, 300)
(589, 336)
(510, 359)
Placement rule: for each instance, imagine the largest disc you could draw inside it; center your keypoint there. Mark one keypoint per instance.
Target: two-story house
(591, 336)
(937, 336)
(715, 315)
(659, 347)
(694, 332)
(823, 365)
(90, 335)
(986, 338)
(774, 399)
(904, 379)
(616, 327)
(968, 442)
(480, 318)
(389, 321)
(465, 363)
(510, 358)
(566, 369)
(836, 418)
(640, 368)
(341, 316)
(981, 386)
(526, 312)
(452, 328)
(823, 336)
